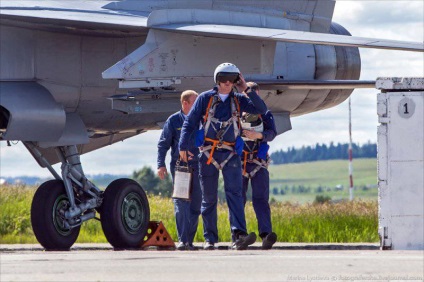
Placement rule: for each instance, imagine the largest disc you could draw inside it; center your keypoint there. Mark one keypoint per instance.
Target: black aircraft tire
(46, 221)
(125, 214)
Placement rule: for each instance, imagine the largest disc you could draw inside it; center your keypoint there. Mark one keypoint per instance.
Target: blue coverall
(231, 171)
(260, 180)
(186, 212)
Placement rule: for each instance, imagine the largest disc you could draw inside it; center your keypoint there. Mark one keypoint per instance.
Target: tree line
(320, 152)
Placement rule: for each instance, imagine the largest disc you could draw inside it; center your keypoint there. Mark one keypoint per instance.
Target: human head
(226, 71)
(225, 75)
(187, 100)
(251, 118)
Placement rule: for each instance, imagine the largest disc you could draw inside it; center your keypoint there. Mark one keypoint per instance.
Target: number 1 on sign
(405, 106)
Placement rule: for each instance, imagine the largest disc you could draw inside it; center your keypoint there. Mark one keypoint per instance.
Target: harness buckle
(222, 124)
(219, 135)
(219, 145)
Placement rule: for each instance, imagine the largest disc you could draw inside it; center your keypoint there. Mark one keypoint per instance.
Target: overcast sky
(399, 20)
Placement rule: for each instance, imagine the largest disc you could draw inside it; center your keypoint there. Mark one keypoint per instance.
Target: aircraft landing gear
(47, 216)
(59, 207)
(125, 214)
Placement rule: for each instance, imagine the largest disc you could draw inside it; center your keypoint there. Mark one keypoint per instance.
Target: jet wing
(105, 15)
(245, 32)
(281, 84)
(72, 16)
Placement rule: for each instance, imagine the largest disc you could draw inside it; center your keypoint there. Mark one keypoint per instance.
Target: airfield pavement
(286, 262)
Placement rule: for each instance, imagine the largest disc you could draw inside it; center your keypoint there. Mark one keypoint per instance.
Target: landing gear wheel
(125, 214)
(48, 205)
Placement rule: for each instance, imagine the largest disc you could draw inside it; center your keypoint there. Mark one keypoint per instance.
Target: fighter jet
(78, 75)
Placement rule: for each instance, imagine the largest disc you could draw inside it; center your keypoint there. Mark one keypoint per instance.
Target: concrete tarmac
(286, 262)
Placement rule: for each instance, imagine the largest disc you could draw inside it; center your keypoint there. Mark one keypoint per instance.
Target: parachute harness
(210, 120)
(250, 156)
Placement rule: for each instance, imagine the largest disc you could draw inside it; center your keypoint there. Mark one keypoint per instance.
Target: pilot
(257, 131)
(218, 111)
(186, 212)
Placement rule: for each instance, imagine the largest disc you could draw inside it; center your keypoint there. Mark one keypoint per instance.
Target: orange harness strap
(207, 109)
(245, 161)
(215, 144)
(246, 153)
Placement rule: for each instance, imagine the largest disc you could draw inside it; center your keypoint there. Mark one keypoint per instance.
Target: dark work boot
(190, 247)
(268, 241)
(243, 241)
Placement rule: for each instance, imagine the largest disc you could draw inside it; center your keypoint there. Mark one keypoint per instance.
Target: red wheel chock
(157, 236)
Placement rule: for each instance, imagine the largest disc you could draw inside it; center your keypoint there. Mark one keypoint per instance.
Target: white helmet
(225, 67)
(251, 122)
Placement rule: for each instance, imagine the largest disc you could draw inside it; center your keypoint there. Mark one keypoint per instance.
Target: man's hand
(186, 156)
(241, 84)
(162, 172)
(252, 135)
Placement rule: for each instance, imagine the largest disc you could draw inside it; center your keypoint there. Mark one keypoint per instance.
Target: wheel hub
(61, 204)
(132, 213)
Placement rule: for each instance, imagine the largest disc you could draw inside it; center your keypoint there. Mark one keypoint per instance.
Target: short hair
(185, 96)
(253, 85)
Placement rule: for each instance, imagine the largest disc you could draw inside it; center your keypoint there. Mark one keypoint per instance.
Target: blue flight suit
(186, 212)
(231, 171)
(260, 180)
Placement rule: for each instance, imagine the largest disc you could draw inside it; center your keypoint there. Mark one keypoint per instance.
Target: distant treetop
(323, 152)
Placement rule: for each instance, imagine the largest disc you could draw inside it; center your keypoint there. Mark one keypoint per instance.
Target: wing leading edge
(244, 32)
(280, 84)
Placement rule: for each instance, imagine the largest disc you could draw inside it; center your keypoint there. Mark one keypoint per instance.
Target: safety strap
(259, 164)
(210, 111)
(249, 157)
(210, 120)
(235, 109)
(220, 145)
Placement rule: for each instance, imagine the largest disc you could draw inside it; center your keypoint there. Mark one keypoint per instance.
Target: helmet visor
(227, 76)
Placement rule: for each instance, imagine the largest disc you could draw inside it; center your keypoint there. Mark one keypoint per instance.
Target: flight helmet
(226, 72)
(251, 122)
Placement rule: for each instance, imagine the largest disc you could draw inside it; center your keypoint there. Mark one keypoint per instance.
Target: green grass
(355, 221)
(325, 174)
(330, 173)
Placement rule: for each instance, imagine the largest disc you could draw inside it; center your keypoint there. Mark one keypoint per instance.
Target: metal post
(350, 155)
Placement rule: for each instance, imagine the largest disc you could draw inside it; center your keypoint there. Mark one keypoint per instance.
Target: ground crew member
(218, 110)
(257, 131)
(186, 212)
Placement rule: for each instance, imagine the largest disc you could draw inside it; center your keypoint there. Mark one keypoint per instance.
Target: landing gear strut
(60, 206)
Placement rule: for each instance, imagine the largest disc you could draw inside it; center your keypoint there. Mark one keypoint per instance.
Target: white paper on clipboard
(182, 185)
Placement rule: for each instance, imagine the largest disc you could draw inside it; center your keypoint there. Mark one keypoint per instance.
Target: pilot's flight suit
(231, 171)
(186, 212)
(260, 177)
